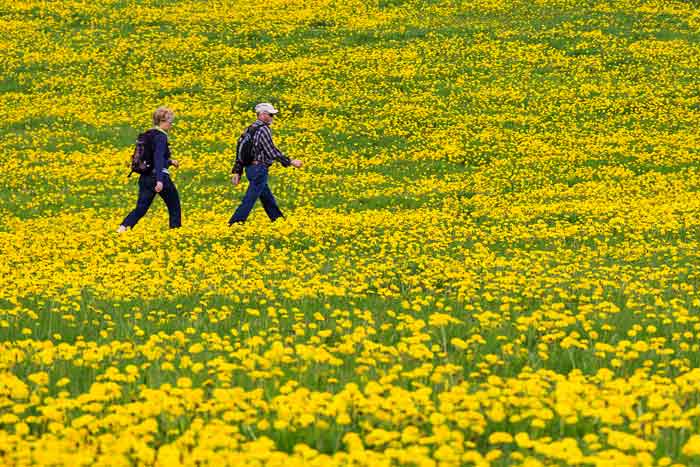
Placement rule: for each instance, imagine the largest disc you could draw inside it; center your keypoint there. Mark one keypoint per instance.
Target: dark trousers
(147, 191)
(258, 188)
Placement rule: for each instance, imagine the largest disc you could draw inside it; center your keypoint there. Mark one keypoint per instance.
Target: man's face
(267, 118)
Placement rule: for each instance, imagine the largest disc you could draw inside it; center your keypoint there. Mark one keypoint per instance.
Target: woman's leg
(146, 194)
(172, 201)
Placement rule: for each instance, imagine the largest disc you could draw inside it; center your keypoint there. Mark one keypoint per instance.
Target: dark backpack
(142, 158)
(244, 148)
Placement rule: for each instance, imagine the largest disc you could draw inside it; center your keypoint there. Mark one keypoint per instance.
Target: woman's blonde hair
(162, 114)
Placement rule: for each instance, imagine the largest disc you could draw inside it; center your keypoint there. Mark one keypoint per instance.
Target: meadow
(489, 257)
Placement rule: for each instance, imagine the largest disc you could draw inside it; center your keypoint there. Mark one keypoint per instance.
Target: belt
(257, 163)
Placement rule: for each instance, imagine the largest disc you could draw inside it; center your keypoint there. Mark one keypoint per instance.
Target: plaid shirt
(264, 150)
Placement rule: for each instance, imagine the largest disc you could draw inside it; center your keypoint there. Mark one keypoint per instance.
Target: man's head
(265, 112)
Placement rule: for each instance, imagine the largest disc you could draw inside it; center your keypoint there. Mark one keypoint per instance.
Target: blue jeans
(258, 188)
(147, 191)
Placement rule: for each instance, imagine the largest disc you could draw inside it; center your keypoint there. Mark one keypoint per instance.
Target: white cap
(265, 107)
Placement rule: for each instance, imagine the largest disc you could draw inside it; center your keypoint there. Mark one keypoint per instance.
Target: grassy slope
(528, 168)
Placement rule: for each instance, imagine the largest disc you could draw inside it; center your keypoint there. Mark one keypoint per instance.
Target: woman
(158, 180)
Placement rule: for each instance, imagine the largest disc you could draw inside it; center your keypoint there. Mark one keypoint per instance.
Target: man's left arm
(270, 148)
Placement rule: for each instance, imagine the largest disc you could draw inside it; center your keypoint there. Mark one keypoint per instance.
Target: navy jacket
(161, 154)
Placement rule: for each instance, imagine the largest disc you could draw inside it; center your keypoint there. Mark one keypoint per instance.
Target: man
(264, 153)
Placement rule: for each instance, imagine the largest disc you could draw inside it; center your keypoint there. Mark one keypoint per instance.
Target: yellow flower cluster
(489, 256)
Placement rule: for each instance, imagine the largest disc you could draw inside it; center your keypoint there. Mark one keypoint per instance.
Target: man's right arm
(238, 165)
(237, 169)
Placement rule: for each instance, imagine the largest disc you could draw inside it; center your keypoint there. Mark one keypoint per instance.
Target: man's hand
(174, 163)
(297, 163)
(159, 187)
(235, 179)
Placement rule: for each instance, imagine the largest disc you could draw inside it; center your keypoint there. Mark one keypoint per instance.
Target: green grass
(489, 208)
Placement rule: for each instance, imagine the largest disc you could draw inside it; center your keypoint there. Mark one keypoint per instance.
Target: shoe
(122, 228)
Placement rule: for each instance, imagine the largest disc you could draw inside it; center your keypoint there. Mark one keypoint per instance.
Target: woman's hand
(159, 187)
(174, 163)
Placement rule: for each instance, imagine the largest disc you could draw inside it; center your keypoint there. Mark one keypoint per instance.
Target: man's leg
(255, 177)
(270, 204)
(172, 201)
(146, 194)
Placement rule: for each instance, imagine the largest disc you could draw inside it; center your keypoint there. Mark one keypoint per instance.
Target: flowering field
(489, 257)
